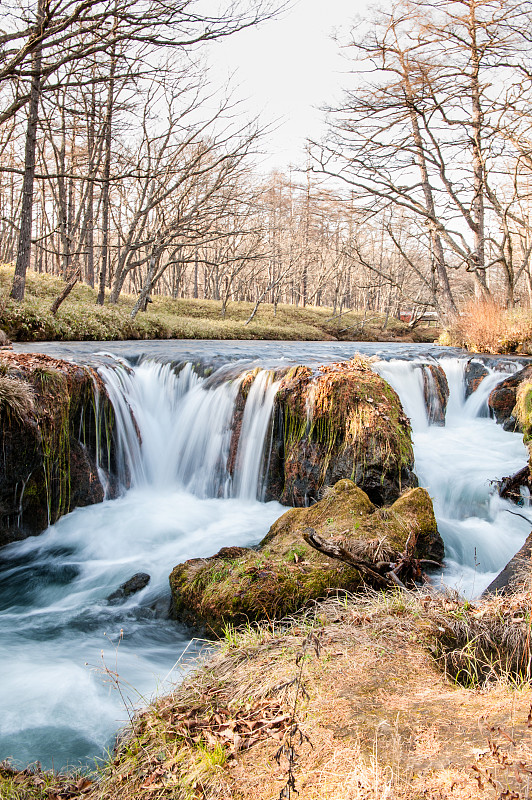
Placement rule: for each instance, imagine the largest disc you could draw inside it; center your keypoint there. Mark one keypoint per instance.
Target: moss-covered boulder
(340, 421)
(240, 584)
(48, 442)
(503, 398)
(522, 410)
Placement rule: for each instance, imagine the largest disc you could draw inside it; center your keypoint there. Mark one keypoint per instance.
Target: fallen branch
(387, 578)
(54, 308)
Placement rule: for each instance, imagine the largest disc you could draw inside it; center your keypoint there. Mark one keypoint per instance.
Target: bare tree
(418, 133)
(36, 46)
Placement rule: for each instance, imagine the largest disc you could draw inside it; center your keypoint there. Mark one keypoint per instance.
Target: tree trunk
(24, 240)
(144, 295)
(106, 188)
(66, 291)
(478, 166)
(443, 298)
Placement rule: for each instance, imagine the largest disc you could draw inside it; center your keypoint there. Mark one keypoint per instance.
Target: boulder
(239, 585)
(516, 575)
(48, 442)
(436, 393)
(474, 374)
(340, 421)
(502, 399)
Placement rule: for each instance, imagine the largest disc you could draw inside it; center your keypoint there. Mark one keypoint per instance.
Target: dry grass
(79, 318)
(16, 399)
(486, 327)
(477, 645)
(383, 722)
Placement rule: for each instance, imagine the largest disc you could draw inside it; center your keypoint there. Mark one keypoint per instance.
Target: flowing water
(60, 638)
(458, 464)
(62, 642)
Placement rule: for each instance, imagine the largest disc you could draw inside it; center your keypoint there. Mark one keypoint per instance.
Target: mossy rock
(522, 410)
(46, 470)
(239, 585)
(342, 421)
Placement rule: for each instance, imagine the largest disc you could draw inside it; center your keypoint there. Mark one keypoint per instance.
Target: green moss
(286, 573)
(523, 409)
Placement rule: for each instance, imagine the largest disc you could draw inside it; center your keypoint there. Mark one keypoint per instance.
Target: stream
(63, 643)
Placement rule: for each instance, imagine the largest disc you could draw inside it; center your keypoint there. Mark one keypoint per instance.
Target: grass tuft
(16, 399)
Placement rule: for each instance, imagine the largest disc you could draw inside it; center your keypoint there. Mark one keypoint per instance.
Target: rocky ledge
(339, 421)
(48, 435)
(239, 585)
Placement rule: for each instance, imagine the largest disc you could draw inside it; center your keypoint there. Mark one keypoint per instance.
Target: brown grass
(79, 318)
(487, 327)
(16, 399)
(383, 721)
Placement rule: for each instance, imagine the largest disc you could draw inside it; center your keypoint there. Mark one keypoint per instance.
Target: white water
(251, 445)
(55, 619)
(457, 465)
(183, 503)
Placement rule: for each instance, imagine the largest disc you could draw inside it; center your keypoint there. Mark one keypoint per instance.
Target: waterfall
(191, 453)
(175, 428)
(251, 445)
(458, 464)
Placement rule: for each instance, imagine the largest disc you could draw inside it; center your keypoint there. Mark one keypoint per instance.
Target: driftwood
(377, 572)
(382, 573)
(510, 487)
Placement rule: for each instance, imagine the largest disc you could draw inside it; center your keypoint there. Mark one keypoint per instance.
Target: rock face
(436, 393)
(46, 408)
(502, 399)
(238, 585)
(474, 374)
(342, 421)
(516, 574)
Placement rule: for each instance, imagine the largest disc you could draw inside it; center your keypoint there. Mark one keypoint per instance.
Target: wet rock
(516, 575)
(436, 393)
(502, 399)
(474, 374)
(342, 421)
(135, 584)
(46, 406)
(5, 341)
(238, 585)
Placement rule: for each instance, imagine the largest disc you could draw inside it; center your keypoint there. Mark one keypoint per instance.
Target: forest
(122, 167)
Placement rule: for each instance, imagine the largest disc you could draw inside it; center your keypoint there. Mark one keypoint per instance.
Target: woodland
(123, 168)
(327, 603)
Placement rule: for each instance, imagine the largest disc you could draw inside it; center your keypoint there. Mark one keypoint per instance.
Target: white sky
(286, 69)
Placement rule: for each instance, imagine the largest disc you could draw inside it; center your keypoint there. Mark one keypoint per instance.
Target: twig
(389, 579)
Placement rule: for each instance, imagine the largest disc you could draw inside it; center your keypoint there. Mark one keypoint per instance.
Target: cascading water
(250, 453)
(457, 464)
(175, 444)
(53, 588)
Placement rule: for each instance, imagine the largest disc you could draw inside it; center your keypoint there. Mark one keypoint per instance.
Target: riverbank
(366, 697)
(80, 319)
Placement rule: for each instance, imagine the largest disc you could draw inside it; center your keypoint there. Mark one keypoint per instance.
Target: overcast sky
(286, 69)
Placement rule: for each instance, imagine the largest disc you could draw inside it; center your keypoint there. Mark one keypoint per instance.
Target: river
(64, 645)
